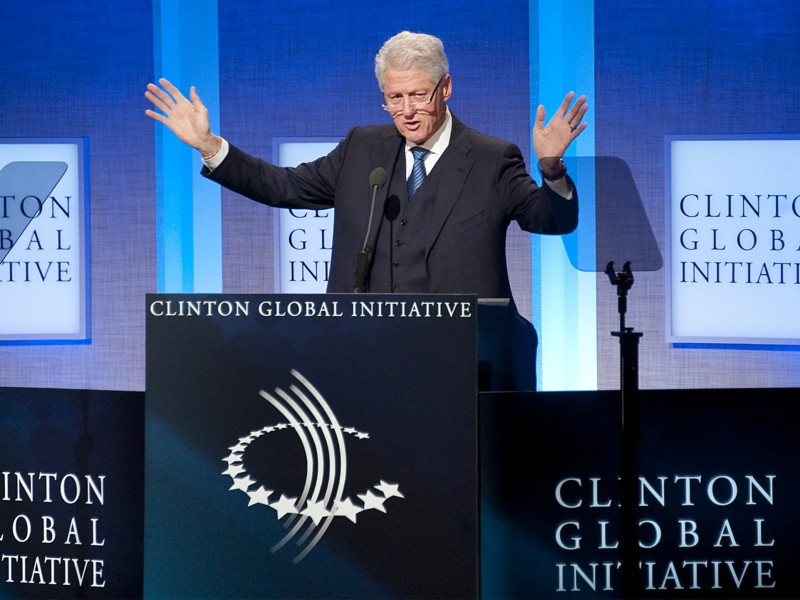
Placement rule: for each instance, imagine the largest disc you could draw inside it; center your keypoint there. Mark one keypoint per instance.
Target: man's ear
(447, 86)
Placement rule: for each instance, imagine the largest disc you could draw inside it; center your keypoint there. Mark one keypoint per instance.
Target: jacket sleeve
(310, 185)
(537, 209)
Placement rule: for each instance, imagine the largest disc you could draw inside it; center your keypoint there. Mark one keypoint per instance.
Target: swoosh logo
(20, 180)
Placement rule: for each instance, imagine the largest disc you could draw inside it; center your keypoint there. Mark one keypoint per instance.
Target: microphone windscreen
(391, 208)
(378, 177)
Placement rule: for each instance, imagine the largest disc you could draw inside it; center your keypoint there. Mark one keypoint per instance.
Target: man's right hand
(188, 120)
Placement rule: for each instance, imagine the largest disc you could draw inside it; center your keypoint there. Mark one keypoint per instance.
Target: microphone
(376, 180)
(391, 210)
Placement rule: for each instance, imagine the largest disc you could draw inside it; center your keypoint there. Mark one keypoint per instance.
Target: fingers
(565, 109)
(576, 130)
(175, 92)
(571, 114)
(579, 108)
(562, 110)
(538, 123)
(159, 93)
(575, 115)
(157, 96)
(166, 97)
(157, 116)
(195, 98)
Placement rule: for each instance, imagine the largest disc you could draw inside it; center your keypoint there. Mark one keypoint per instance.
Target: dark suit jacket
(483, 186)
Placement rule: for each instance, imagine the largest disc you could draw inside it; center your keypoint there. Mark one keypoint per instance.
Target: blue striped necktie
(417, 170)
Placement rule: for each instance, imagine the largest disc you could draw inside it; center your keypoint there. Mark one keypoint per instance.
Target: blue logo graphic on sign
(27, 185)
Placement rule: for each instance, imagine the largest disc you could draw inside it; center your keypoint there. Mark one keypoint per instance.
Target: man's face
(414, 86)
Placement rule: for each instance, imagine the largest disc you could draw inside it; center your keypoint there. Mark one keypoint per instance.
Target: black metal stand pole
(629, 464)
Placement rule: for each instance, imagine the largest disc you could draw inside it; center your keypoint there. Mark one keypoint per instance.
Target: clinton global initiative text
(437, 309)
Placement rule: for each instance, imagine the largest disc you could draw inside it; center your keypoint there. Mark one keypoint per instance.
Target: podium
(311, 446)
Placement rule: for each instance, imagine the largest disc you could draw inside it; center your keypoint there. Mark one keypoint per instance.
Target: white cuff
(215, 161)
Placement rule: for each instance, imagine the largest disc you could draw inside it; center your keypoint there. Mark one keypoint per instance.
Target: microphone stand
(629, 387)
(376, 180)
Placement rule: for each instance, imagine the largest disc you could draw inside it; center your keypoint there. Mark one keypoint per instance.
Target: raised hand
(552, 140)
(188, 120)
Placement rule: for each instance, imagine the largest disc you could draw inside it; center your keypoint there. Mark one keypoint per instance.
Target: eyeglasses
(417, 102)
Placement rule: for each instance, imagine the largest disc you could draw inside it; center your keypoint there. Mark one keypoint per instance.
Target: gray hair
(408, 50)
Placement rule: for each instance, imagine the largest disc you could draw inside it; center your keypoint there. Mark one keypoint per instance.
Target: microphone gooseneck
(377, 178)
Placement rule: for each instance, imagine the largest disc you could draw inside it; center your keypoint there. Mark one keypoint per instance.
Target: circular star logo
(322, 498)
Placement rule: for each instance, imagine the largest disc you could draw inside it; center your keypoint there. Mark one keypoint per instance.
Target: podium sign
(716, 504)
(311, 446)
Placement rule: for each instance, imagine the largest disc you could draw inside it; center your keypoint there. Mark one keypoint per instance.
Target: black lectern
(311, 446)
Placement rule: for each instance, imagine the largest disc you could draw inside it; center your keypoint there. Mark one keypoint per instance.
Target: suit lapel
(455, 165)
